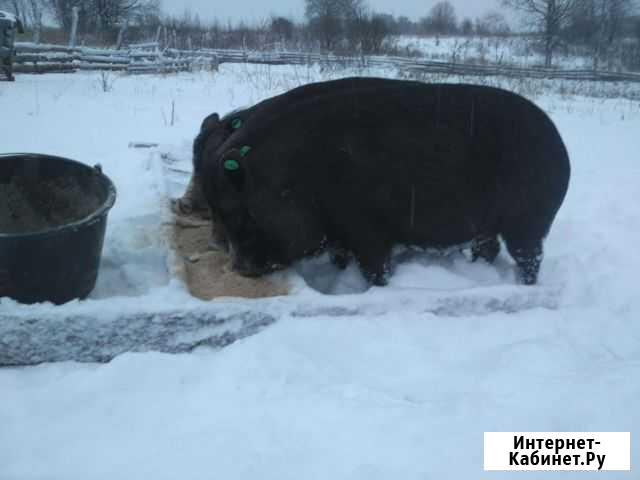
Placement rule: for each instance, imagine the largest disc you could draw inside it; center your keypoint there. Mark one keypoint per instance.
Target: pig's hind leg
(527, 253)
(374, 260)
(486, 247)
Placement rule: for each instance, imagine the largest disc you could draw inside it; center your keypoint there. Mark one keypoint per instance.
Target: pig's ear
(210, 122)
(233, 169)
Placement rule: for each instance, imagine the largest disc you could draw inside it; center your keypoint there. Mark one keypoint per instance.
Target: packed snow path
(398, 382)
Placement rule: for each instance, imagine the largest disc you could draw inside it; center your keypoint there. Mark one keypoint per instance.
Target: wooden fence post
(158, 32)
(121, 32)
(74, 27)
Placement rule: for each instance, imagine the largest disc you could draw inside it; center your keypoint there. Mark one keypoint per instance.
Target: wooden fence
(149, 58)
(142, 58)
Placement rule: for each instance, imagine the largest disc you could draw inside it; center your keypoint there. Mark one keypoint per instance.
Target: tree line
(600, 26)
(605, 29)
(344, 25)
(97, 19)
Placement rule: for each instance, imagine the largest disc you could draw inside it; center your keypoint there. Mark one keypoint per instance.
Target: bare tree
(466, 27)
(442, 18)
(599, 25)
(366, 31)
(327, 18)
(582, 25)
(405, 26)
(62, 11)
(35, 12)
(547, 17)
(614, 14)
(29, 12)
(18, 8)
(282, 28)
(101, 16)
(494, 24)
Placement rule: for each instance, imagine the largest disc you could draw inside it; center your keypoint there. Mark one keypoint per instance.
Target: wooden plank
(43, 47)
(102, 66)
(44, 68)
(105, 59)
(45, 58)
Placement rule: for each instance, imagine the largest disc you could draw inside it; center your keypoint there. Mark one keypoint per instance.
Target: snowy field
(514, 50)
(349, 383)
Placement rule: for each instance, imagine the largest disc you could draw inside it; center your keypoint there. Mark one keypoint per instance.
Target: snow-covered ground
(394, 382)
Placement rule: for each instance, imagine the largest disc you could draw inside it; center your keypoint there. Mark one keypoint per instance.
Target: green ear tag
(231, 165)
(236, 123)
(244, 150)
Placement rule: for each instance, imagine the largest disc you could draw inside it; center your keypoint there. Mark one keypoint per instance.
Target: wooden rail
(149, 58)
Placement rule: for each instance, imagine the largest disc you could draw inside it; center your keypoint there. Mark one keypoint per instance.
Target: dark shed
(9, 25)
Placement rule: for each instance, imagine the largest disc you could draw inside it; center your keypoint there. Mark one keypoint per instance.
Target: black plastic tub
(53, 217)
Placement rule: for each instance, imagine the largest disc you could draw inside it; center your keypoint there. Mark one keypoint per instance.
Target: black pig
(214, 131)
(399, 163)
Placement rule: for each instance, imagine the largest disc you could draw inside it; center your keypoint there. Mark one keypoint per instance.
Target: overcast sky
(254, 10)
